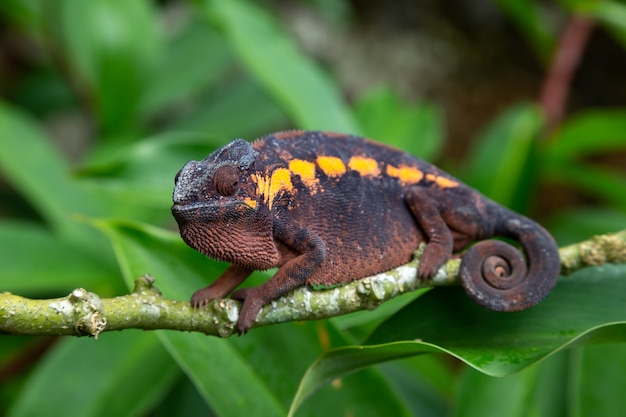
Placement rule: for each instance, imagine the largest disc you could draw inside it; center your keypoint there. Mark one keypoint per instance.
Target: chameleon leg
(291, 275)
(440, 240)
(222, 286)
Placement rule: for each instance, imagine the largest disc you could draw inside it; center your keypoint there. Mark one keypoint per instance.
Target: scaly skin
(328, 208)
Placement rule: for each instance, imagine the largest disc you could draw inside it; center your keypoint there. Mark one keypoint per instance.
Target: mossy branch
(83, 313)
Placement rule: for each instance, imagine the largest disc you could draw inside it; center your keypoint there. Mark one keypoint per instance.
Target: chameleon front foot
(252, 305)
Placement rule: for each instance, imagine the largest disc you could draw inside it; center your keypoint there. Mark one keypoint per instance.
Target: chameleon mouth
(194, 212)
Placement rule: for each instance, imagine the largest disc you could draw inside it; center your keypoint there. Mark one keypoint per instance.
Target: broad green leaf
(484, 396)
(307, 94)
(612, 14)
(601, 382)
(259, 371)
(224, 377)
(23, 12)
(342, 361)
(112, 49)
(220, 373)
(140, 175)
(583, 307)
(590, 133)
(240, 109)
(533, 25)
(540, 390)
(586, 307)
(34, 262)
(416, 128)
(589, 221)
(606, 183)
(498, 165)
(414, 383)
(121, 374)
(198, 56)
(183, 400)
(38, 171)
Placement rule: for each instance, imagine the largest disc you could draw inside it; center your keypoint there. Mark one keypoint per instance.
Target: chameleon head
(214, 196)
(204, 188)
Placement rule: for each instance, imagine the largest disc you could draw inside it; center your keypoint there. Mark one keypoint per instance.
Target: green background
(102, 102)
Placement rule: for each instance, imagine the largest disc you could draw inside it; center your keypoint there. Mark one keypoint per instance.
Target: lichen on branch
(83, 313)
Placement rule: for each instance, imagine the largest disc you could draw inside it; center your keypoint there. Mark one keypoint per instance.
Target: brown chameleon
(328, 208)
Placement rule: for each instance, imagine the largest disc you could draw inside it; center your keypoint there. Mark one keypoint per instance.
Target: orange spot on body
(364, 166)
(406, 174)
(441, 181)
(306, 171)
(269, 186)
(331, 165)
(250, 202)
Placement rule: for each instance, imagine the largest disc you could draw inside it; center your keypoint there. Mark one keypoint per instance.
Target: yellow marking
(270, 186)
(261, 181)
(280, 181)
(331, 165)
(441, 181)
(364, 166)
(250, 202)
(406, 174)
(306, 171)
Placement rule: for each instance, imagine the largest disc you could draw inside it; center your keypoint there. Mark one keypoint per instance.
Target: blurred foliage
(150, 85)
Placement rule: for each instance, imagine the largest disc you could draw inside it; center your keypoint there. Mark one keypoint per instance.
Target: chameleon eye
(226, 179)
(177, 176)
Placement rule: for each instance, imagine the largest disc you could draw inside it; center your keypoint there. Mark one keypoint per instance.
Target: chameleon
(329, 208)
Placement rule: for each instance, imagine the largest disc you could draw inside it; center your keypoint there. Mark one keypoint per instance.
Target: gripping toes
(201, 298)
(434, 256)
(251, 307)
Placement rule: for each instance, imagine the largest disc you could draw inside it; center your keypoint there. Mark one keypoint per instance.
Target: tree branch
(83, 313)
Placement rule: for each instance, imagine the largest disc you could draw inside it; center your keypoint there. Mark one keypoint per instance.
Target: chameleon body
(327, 209)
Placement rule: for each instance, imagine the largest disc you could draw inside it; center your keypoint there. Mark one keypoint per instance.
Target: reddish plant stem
(556, 86)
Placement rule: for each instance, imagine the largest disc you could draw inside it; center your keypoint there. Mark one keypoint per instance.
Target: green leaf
(611, 14)
(586, 307)
(426, 389)
(484, 396)
(121, 374)
(344, 360)
(589, 221)
(140, 175)
(38, 171)
(606, 183)
(498, 165)
(583, 307)
(533, 25)
(416, 128)
(294, 80)
(198, 55)
(589, 133)
(26, 13)
(601, 381)
(240, 109)
(541, 390)
(183, 400)
(223, 377)
(34, 262)
(112, 48)
(252, 372)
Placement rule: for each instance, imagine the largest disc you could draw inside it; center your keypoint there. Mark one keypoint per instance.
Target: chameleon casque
(328, 208)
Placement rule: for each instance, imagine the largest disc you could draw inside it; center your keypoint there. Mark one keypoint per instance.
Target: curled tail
(495, 274)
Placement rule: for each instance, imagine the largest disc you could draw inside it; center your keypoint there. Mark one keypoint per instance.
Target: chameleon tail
(495, 274)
